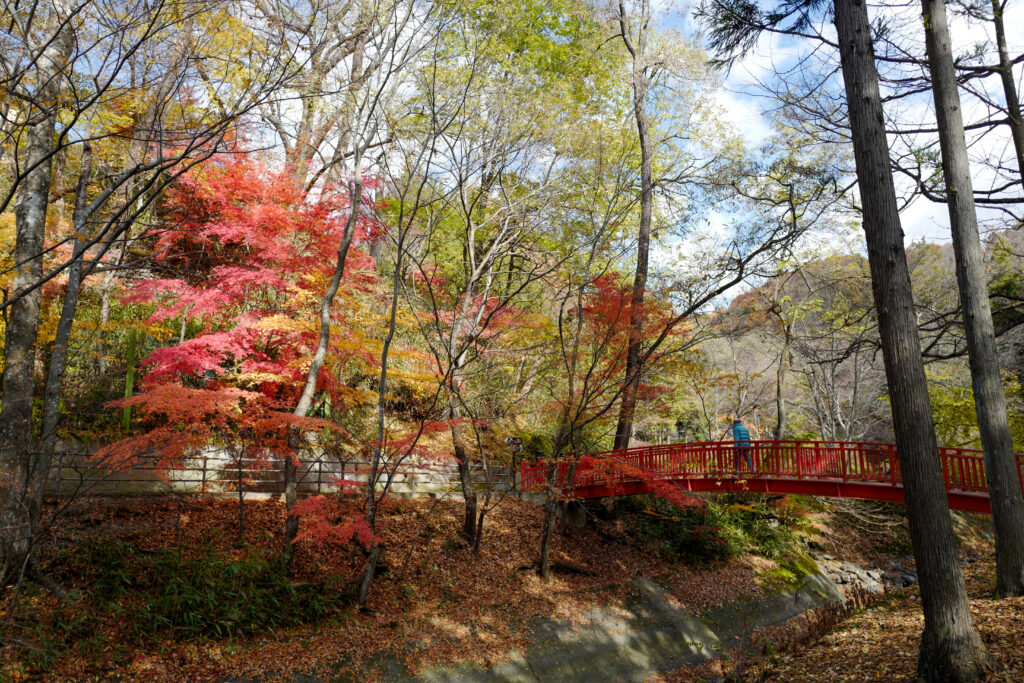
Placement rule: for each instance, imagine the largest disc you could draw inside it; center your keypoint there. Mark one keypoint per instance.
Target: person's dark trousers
(744, 452)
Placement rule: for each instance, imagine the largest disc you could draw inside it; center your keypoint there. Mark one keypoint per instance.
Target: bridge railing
(963, 468)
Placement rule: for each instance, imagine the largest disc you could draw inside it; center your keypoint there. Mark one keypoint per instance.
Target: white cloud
(925, 220)
(743, 112)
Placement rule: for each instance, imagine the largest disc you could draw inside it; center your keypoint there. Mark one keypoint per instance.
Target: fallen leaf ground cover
(880, 643)
(432, 603)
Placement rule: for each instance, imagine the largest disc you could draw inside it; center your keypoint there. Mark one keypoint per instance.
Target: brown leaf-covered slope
(433, 603)
(880, 643)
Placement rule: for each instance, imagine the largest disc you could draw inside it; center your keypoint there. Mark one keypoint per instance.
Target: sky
(743, 100)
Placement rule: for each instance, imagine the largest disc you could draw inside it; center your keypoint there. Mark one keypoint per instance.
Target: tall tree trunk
(637, 50)
(780, 383)
(555, 492)
(479, 530)
(469, 521)
(1013, 113)
(129, 378)
(546, 537)
(456, 354)
(101, 344)
(469, 495)
(950, 647)
(555, 508)
(30, 228)
(989, 400)
(371, 569)
(305, 402)
(58, 354)
(376, 461)
(18, 455)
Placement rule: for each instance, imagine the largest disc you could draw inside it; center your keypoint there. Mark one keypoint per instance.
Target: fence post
(202, 484)
(60, 473)
(319, 473)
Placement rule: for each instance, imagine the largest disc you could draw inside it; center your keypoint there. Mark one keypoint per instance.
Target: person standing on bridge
(741, 443)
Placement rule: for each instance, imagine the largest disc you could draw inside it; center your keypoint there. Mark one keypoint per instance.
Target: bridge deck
(822, 468)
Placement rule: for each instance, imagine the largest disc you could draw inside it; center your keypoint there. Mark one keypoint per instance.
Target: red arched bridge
(820, 468)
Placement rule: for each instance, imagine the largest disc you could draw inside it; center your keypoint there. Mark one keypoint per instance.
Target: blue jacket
(740, 434)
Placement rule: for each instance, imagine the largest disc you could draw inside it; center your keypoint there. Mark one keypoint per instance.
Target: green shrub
(216, 595)
(205, 594)
(726, 526)
(536, 445)
(683, 533)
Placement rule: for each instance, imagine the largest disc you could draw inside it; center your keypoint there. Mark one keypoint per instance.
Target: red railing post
(944, 457)
(893, 462)
(1020, 470)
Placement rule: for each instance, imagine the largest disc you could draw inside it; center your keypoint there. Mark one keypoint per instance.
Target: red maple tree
(243, 254)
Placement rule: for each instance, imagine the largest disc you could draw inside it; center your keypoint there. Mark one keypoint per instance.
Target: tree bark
(18, 455)
(58, 354)
(627, 408)
(371, 569)
(989, 399)
(780, 383)
(376, 461)
(1013, 113)
(950, 648)
(469, 522)
(30, 229)
(101, 345)
(305, 401)
(545, 543)
(554, 493)
(479, 530)
(129, 378)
